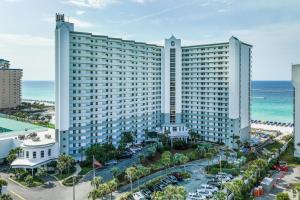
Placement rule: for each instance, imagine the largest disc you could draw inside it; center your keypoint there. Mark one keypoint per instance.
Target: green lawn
(85, 170)
(65, 175)
(36, 182)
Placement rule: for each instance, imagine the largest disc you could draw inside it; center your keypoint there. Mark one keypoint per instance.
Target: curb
(16, 182)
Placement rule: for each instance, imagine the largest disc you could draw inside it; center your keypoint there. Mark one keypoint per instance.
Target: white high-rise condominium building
(296, 84)
(105, 86)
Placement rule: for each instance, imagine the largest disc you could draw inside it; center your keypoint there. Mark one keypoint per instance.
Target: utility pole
(73, 187)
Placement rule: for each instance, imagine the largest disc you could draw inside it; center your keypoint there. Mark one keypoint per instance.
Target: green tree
(131, 173)
(296, 189)
(29, 180)
(194, 135)
(101, 152)
(93, 194)
(282, 196)
(141, 171)
(115, 172)
(95, 182)
(209, 157)
(171, 193)
(41, 172)
(220, 196)
(112, 185)
(13, 154)
(5, 197)
(166, 159)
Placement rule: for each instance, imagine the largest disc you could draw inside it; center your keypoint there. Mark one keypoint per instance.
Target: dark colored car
(125, 155)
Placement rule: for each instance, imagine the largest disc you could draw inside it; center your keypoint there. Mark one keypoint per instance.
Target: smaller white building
(296, 84)
(39, 149)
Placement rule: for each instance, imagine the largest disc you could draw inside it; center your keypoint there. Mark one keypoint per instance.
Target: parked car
(125, 155)
(223, 178)
(281, 166)
(195, 196)
(167, 181)
(178, 176)
(111, 162)
(225, 174)
(147, 193)
(209, 188)
(216, 183)
(204, 193)
(173, 179)
(138, 196)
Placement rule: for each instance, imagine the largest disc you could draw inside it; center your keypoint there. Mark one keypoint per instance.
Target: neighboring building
(10, 85)
(105, 86)
(296, 84)
(38, 143)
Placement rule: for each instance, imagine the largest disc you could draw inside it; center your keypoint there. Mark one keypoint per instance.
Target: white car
(225, 174)
(204, 193)
(195, 196)
(209, 188)
(139, 196)
(223, 178)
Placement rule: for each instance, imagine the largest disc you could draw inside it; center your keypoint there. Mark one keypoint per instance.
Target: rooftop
(14, 128)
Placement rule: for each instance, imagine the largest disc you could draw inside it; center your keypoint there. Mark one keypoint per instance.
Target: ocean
(271, 100)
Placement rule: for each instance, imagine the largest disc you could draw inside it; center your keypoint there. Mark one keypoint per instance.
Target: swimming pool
(12, 127)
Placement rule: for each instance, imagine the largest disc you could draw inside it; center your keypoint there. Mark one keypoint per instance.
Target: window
(34, 154)
(49, 152)
(42, 154)
(27, 154)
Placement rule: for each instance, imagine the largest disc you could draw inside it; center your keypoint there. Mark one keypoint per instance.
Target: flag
(96, 163)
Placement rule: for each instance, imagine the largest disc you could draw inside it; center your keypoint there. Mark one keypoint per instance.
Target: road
(55, 191)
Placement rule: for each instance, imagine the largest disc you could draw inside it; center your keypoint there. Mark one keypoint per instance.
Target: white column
(296, 84)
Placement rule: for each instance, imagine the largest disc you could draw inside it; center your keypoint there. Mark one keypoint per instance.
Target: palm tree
(112, 185)
(96, 182)
(166, 159)
(131, 174)
(141, 171)
(93, 194)
(296, 188)
(115, 171)
(171, 193)
(209, 157)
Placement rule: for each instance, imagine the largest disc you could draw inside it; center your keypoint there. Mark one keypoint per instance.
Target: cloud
(142, 1)
(8, 39)
(78, 23)
(80, 12)
(14, 1)
(91, 3)
(155, 14)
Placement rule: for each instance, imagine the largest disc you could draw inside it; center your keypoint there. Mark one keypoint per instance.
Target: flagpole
(94, 173)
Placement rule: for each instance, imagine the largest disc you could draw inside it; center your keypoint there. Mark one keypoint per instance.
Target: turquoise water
(38, 90)
(271, 100)
(9, 126)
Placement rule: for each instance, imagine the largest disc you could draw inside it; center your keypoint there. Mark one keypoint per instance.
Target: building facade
(10, 85)
(106, 86)
(296, 84)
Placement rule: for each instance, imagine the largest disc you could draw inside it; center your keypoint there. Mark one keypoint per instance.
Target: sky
(271, 26)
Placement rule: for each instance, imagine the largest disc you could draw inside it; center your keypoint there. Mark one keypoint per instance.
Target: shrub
(179, 145)
(29, 180)
(282, 196)
(193, 155)
(69, 181)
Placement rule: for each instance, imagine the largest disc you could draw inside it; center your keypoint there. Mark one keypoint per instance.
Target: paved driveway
(55, 191)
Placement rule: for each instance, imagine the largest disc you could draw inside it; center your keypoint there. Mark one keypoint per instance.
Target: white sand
(282, 129)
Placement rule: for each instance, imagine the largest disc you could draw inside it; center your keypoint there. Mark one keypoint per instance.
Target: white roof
(30, 163)
(45, 138)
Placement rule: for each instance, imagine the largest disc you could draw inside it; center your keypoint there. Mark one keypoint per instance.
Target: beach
(283, 129)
